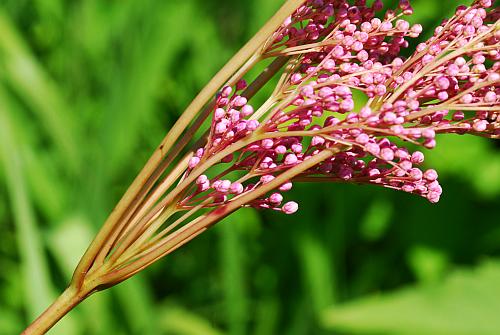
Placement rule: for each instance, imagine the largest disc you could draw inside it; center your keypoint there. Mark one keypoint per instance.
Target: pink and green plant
(309, 129)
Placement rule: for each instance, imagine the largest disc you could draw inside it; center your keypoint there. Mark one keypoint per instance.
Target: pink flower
(290, 207)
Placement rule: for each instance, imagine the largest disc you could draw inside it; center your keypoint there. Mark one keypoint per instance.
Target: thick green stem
(59, 308)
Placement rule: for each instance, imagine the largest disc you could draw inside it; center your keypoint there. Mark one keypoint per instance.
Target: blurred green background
(88, 88)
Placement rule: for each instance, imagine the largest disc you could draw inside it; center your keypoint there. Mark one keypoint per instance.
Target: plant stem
(200, 224)
(192, 110)
(59, 308)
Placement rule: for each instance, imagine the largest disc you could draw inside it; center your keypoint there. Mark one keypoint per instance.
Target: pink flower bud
(325, 92)
(347, 105)
(226, 91)
(376, 22)
(329, 65)
(380, 89)
(241, 126)
(442, 83)
(317, 140)
(201, 179)
(430, 143)
(193, 161)
(365, 112)
(296, 78)
(286, 187)
(458, 116)
(219, 114)
(290, 159)
(338, 51)
(220, 127)
(362, 138)
(387, 154)
(222, 186)
(453, 70)
(297, 148)
(408, 188)
(267, 143)
(362, 56)
(430, 175)
(433, 197)
(490, 97)
(416, 29)
(240, 101)
(266, 178)
(480, 125)
(307, 91)
(280, 149)
(428, 133)
(405, 165)
(204, 186)
(385, 26)
(246, 110)
(372, 148)
(427, 59)
(236, 188)
(366, 27)
(443, 95)
(241, 85)
(415, 174)
(276, 199)
(460, 61)
(252, 125)
(417, 157)
(389, 117)
(290, 207)
(413, 104)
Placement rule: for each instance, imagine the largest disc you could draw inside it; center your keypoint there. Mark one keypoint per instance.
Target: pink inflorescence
(450, 84)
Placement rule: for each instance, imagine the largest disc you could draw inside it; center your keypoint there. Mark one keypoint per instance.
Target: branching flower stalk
(308, 129)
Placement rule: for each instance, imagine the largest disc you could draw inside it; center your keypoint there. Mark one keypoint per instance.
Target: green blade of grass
(38, 290)
(35, 271)
(176, 320)
(232, 269)
(30, 81)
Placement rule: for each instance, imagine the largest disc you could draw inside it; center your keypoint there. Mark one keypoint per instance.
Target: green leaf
(472, 159)
(427, 263)
(377, 219)
(136, 299)
(233, 266)
(68, 242)
(465, 303)
(38, 290)
(30, 81)
(35, 270)
(176, 320)
(316, 271)
(9, 321)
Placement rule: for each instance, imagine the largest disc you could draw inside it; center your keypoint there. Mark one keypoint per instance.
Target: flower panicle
(450, 84)
(311, 128)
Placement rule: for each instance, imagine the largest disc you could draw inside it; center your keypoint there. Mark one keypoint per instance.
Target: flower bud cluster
(354, 26)
(451, 84)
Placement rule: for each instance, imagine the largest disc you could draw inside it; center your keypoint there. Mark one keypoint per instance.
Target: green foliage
(464, 303)
(87, 90)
